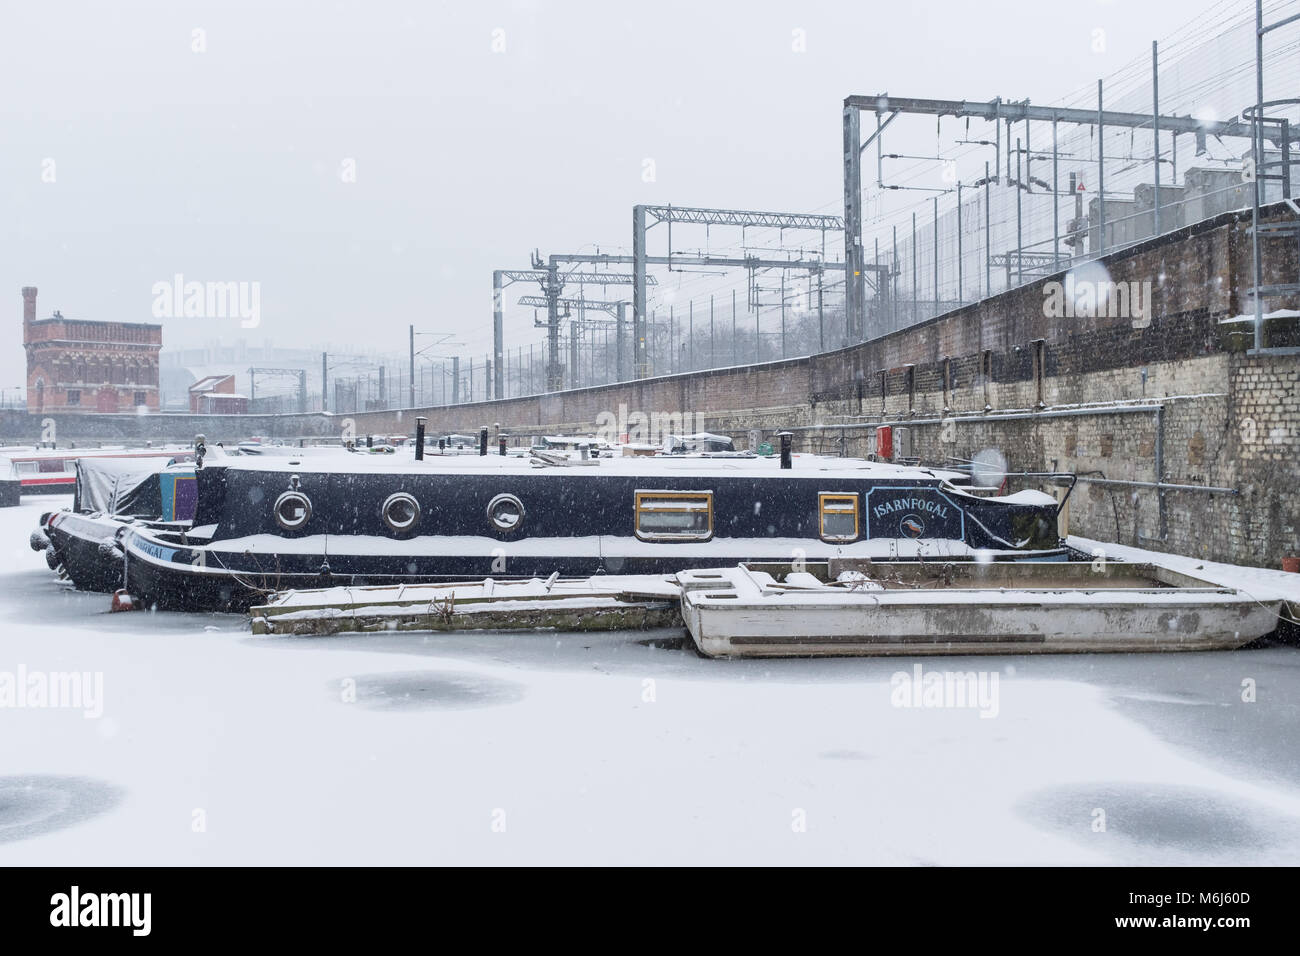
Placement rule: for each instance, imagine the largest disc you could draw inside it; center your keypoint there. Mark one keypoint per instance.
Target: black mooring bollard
(501, 445)
(419, 438)
(786, 438)
(482, 440)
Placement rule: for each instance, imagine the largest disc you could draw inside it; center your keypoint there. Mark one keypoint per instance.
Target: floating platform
(602, 603)
(842, 607)
(893, 608)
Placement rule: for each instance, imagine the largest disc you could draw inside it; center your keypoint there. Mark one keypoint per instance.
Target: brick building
(215, 395)
(84, 365)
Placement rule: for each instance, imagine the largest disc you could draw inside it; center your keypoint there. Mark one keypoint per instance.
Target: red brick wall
(81, 366)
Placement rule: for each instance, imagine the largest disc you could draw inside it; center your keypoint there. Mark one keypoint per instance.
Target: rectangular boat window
(674, 515)
(839, 516)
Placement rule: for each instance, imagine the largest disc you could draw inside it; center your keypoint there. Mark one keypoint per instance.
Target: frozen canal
(216, 747)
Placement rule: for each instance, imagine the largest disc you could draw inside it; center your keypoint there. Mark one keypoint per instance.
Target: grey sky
(225, 164)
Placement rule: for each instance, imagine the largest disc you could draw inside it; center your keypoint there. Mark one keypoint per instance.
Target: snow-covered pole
(419, 437)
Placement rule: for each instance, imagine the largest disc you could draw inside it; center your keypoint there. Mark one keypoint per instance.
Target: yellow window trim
(704, 502)
(826, 502)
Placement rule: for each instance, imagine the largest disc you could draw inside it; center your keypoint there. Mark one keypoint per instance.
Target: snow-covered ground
(217, 747)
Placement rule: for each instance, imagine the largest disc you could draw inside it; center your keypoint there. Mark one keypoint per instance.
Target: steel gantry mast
(646, 216)
(552, 281)
(887, 108)
(1281, 135)
(500, 279)
(618, 310)
(596, 258)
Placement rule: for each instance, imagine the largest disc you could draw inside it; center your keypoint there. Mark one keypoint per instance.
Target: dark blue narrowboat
(271, 524)
(84, 542)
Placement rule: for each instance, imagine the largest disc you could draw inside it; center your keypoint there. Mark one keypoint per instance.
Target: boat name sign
(920, 513)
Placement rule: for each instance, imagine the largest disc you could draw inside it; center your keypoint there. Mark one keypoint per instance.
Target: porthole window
(292, 510)
(401, 512)
(506, 513)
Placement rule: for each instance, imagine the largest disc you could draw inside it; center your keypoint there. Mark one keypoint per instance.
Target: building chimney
(29, 303)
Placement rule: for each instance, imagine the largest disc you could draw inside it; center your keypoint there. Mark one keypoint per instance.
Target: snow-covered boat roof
(119, 451)
(118, 485)
(803, 465)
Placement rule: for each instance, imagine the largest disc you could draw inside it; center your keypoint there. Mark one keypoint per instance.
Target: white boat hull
(739, 617)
